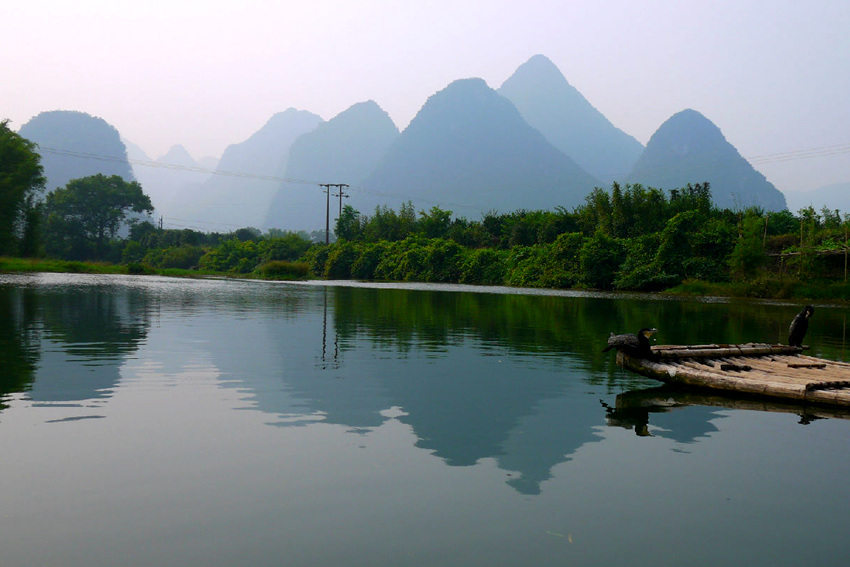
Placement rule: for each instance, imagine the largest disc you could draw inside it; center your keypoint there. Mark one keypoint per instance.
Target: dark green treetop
(21, 179)
(85, 214)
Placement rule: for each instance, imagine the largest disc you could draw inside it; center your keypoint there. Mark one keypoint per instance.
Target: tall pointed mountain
(469, 150)
(247, 177)
(75, 144)
(345, 149)
(689, 148)
(552, 105)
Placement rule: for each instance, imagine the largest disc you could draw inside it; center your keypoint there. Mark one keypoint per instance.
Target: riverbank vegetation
(629, 238)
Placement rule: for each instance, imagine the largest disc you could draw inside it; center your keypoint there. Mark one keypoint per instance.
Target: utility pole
(342, 187)
(327, 187)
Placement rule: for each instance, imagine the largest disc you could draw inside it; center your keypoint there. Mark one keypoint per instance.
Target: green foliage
(633, 238)
(139, 269)
(748, 256)
(290, 246)
(232, 256)
(248, 233)
(21, 180)
(184, 257)
(485, 266)
(388, 225)
(282, 270)
(340, 260)
(435, 223)
(443, 260)
(88, 212)
(348, 224)
(403, 261)
(367, 262)
(316, 256)
(600, 257)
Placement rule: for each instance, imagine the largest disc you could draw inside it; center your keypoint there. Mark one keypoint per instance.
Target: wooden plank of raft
(713, 351)
(776, 371)
(669, 372)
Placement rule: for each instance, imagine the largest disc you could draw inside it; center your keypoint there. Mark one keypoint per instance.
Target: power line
(799, 154)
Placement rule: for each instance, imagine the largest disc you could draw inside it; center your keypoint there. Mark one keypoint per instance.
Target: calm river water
(153, 421)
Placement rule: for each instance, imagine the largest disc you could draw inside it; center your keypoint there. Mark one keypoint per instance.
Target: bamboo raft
(775, 371)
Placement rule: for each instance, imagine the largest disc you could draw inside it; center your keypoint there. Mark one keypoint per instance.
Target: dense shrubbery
(633, 238)
(628, 238)
(281, 269)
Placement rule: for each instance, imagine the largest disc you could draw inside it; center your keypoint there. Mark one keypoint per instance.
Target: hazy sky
(773, 75)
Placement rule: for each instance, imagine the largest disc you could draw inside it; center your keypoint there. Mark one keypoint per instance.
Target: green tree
(435, 223)
(88, 212)
(600, 258)
(348, 224)
(748, 255)
(21, 180)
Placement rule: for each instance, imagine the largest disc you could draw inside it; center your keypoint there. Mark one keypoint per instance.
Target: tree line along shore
(630, 238)
(626, 238)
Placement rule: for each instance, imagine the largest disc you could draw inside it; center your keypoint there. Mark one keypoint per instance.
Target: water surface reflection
(264, 405)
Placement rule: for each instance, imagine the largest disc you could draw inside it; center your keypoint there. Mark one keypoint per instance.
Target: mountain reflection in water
(154, 421)
(478, 376)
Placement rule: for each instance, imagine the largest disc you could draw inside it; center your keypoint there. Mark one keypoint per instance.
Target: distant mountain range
(688, 148)
(248, 176)
(345, 149)
(469, 150)
(552, 105)
(75, 144)
(169, 176)
(536, 143)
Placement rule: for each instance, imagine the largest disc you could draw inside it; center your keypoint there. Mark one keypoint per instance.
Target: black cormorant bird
(633, 345)
(799, 326)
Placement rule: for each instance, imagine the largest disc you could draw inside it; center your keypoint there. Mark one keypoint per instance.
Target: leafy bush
(600, 258)
(232, 256)
(370, 256)
(483, 267)
(183, 257)
(341, 257)
(316, 256)
(139, 269)
(281, 269)
(290, 247)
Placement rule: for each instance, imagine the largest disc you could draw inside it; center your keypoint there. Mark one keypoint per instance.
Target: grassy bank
(768, 288)
(59, 266)
(763, 287)
(270, 271)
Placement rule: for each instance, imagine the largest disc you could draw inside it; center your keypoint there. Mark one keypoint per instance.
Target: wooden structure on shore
(776, 371)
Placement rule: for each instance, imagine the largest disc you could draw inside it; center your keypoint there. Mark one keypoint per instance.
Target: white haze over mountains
(537, 142)
(772, 74)
(468, 150)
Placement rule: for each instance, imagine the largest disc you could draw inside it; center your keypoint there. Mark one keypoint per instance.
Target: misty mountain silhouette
(345, 149)
(469, 150)
(166, 177)
(689, 148)
(234, 201)
(549, 103)
(82, 135)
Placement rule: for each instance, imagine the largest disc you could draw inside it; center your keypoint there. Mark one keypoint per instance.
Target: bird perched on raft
(799, 326)
(632, 344)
